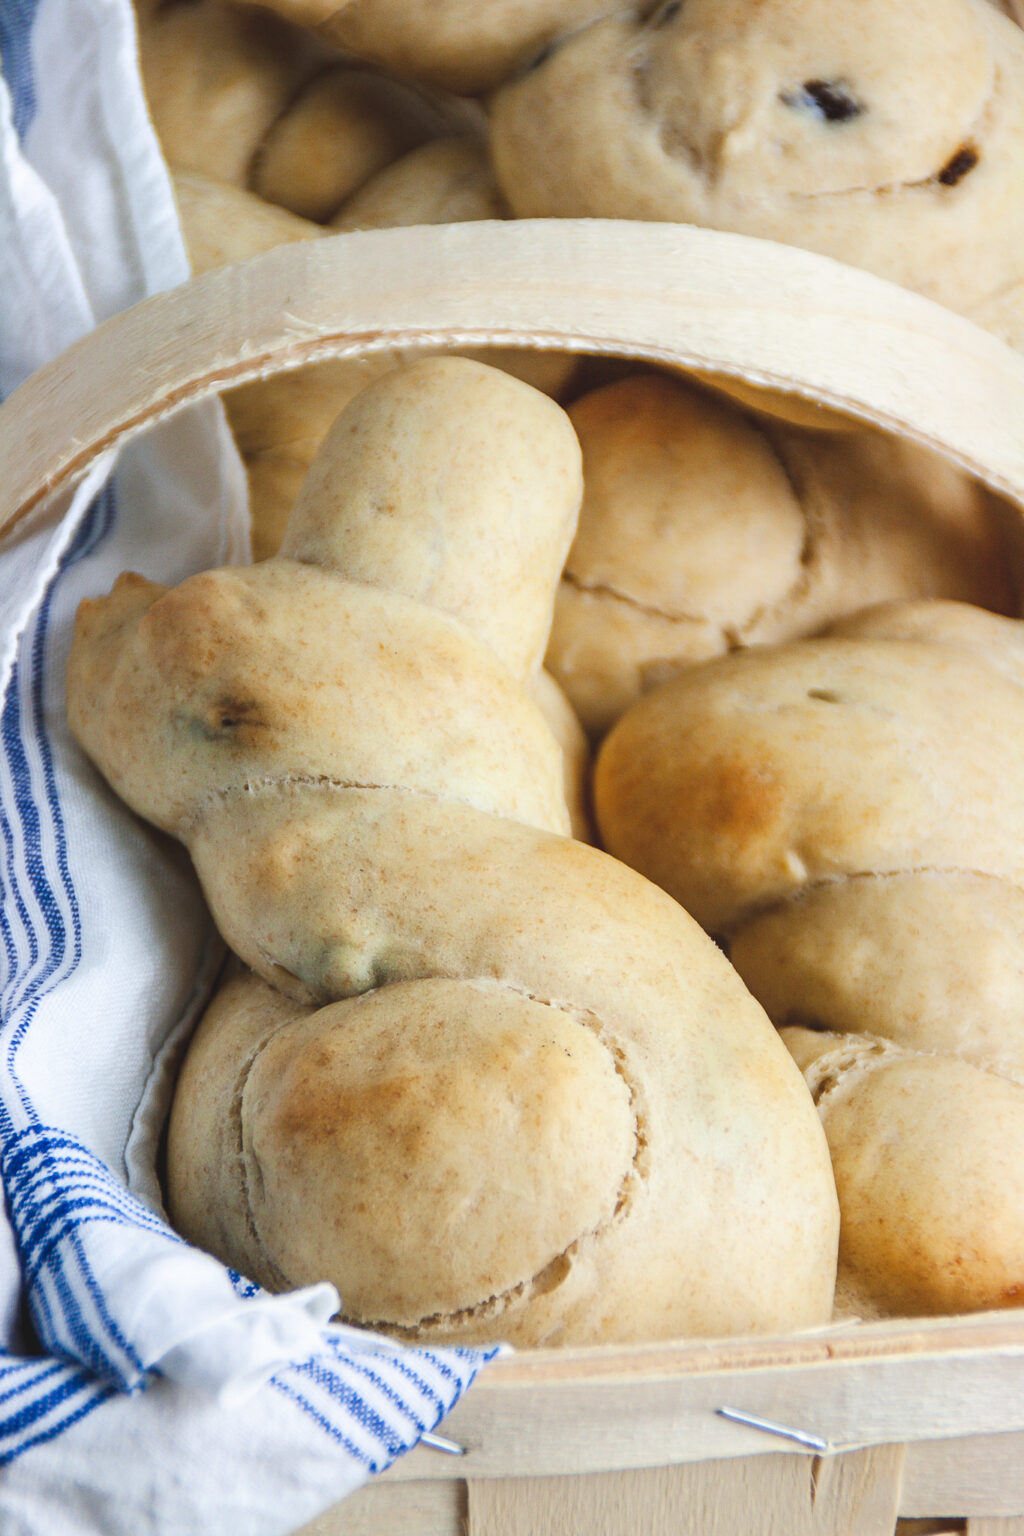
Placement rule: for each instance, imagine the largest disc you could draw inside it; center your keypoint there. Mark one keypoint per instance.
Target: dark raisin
(827, 99)
(956, 169)
(227, 719)
(540, 58)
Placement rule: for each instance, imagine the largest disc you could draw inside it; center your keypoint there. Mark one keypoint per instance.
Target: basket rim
(770, 315)
(879, 1341)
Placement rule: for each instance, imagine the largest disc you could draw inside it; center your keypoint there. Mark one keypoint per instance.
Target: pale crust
(446, 181)
(845, 814)
(238, 95)
(726, 1168)
(574, 1123)
(270, 137)
(890, 137)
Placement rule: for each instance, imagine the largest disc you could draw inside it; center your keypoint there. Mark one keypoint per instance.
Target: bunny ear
(691, 298)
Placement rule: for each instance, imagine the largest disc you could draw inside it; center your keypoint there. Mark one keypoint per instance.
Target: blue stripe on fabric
(30, 840)
(81, 1193)
(30, 795)
(98, 1393)
(9, 1454)
(442, 1368)
(21, 994)
(111, 1326)
(24, 833)
(16, 18)
(60, 1393)
(347, 1397)
(358, 1364)
(55, 1186)
(33, 1377)
(10, 738)
(78, 1213)
(429, 1392)
(327, 1425)
(246, 1289)
(32, 1412)
(70, 1337)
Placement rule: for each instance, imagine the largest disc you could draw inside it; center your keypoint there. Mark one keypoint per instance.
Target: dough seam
(753, 914)
(289, 781)
(556, 1270)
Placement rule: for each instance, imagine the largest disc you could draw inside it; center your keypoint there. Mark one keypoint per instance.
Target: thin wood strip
(769, 314)
(659, 1502)
(978, 1475)
(857, 1493)
(765, 1497)
(894, 1339)
(853, 1495)
(396, 1509)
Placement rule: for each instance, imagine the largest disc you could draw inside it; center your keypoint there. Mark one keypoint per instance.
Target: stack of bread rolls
(845, 813)
(889, 136)
(827, 787)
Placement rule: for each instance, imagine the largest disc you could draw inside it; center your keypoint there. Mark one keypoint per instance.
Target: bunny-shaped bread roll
(491, 1082)
(890, 136)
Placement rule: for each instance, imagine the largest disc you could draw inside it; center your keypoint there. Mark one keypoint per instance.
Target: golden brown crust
(845, 814)
(926, 1151)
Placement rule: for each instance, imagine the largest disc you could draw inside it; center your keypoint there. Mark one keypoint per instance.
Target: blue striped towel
(144, 1388)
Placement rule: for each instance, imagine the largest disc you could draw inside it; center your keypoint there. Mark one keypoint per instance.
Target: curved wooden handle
(723, 304)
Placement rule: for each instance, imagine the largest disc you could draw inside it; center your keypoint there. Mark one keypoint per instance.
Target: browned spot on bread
(240, 721)
(735, 799)
(406, 1103)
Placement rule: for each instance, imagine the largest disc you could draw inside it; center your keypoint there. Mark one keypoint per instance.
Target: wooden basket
(873, 1422)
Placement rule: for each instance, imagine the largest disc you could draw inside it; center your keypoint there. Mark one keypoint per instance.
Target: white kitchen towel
(144, 1388)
